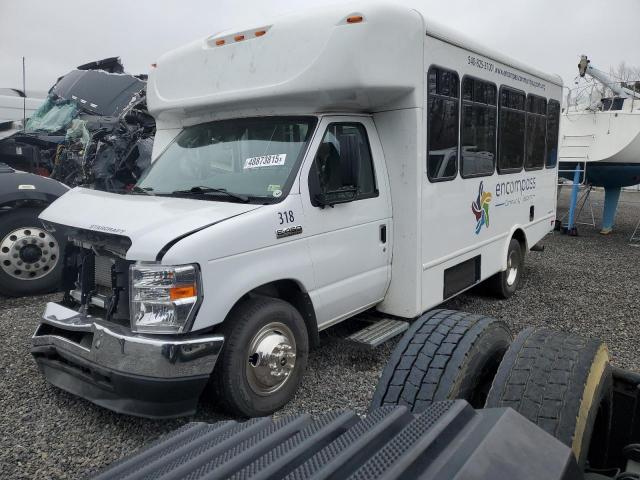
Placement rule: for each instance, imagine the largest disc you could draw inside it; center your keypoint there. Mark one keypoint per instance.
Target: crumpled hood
(150, 222)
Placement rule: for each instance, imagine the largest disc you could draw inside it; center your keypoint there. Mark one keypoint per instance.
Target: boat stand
(578, 201)
(634, 241)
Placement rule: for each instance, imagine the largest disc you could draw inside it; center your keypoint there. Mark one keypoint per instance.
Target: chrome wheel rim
(271, 358)
(512, 269)
(29, 253)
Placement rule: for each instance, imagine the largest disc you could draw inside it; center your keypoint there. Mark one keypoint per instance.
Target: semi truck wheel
(263, 358)
(562, 383)
(444, 355)
(504, 284)
(30, 260)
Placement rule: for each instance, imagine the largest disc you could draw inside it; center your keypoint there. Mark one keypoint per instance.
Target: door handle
(383, 233)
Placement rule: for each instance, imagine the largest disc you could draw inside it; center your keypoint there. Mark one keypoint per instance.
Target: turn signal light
(176, 293)
(354, 19)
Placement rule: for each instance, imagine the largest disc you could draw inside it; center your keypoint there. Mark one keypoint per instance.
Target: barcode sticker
(265, 161)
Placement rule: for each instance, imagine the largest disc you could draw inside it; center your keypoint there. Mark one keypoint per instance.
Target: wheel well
(522, 240)
(290, 291)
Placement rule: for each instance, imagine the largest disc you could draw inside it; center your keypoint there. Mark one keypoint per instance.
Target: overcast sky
(57, 35)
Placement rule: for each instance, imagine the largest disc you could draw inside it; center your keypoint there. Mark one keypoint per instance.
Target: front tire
(30, 256)
(263, 359)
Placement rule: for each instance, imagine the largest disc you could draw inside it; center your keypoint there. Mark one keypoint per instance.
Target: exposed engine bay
(92, 130)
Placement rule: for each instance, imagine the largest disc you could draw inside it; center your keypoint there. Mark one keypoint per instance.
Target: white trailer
(346, 160)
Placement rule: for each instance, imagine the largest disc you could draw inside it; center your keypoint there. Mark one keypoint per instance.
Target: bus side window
(442, 124)
(536, 132)
(479, 115)
(511, 130)
(553, 123)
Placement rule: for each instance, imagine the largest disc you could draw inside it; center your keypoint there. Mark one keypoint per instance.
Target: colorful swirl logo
(480, 209)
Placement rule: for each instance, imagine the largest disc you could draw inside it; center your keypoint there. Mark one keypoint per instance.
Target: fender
(18, 187)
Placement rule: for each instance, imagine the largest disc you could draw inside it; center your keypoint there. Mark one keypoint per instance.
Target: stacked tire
(561, 382)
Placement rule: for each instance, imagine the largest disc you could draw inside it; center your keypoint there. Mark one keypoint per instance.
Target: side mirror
(345, 194)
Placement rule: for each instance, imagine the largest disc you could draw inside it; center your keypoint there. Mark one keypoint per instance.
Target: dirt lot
(588, 285)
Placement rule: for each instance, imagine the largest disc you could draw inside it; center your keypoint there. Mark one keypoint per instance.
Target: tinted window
(478, 128)
(511, 132)
(536, 132)
(442, 123)
(553, 123)
(343, 160)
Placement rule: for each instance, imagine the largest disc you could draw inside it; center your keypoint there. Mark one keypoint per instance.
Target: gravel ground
(588, 285)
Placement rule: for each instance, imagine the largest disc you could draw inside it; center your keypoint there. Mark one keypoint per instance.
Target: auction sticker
(265, 161)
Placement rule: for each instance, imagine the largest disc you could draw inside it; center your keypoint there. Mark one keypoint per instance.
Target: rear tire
(444, 355)
(30, 256)
(504, 284)
(562, 383)
(252, 384)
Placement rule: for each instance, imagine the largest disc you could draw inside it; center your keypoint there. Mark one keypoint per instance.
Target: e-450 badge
(289, 231)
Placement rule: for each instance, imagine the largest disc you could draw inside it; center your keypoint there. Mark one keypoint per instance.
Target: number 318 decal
(286, 217)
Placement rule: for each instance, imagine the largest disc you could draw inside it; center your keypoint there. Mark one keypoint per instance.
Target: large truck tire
(444, 355)
(562, 383)
(504, 284)
(30, 256)
(263, 359)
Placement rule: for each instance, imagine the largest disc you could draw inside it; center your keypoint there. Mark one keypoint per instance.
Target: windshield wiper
(145, 190)
(204, 190)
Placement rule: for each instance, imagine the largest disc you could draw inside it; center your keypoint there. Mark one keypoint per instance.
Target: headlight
(162, 298)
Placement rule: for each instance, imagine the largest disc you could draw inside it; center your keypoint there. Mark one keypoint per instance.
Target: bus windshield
(251, 157)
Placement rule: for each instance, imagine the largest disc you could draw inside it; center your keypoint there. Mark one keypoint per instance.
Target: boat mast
(585, 67)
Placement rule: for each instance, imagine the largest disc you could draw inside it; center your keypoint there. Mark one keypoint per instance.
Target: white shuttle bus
(352, 159)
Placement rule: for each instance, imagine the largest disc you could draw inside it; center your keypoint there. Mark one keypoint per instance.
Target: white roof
(313, 61)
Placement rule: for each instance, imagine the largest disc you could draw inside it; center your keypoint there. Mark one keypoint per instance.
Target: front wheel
(264, 357)
(30, 260)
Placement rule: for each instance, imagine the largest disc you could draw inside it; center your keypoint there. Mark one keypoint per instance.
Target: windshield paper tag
(265, 161)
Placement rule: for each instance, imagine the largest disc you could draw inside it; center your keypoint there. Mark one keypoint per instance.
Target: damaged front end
(87, 346)
(92, 130)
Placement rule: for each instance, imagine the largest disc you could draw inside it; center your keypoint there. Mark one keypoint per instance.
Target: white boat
(600, 134)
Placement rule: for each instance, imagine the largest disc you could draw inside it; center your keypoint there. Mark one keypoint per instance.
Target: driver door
(350, 241)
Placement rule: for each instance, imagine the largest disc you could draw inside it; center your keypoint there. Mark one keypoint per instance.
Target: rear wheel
(30, 260)
(444, 355)
(504, 284)
(263, 359)
(562, 383)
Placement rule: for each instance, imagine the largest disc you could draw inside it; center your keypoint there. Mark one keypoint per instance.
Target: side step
(378, 332)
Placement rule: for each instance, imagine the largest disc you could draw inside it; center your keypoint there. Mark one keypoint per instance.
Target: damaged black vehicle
(92, 130)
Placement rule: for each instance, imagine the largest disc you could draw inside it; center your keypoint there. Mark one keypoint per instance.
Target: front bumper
(142, 375)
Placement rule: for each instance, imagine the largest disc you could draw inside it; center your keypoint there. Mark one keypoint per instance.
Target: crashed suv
(93, 130)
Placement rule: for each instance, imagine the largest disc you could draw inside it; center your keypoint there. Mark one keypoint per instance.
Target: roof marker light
(260, 33)
(220, 42)
(354, 19)
(154, 65)
(238, 38)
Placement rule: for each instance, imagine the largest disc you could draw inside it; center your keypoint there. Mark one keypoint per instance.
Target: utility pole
(24, 98)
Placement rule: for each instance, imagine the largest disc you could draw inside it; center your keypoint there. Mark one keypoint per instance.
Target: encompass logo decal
(480, 208)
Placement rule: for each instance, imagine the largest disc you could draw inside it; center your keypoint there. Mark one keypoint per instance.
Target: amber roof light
(354, 19)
